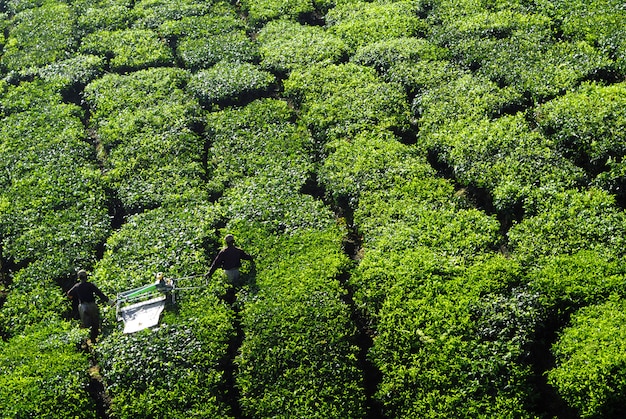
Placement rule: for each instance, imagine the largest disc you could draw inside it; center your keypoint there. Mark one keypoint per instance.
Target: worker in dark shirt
(229, 259)
(85, 292)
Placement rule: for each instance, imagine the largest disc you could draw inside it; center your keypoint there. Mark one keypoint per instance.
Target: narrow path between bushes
(96, 388)
(228, 385)
(363, 339)
(364, 336)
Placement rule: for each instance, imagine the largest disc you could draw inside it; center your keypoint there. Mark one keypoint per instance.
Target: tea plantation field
(433, 192)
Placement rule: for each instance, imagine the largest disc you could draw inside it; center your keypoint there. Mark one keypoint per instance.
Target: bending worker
(229, 259)
(85, 292)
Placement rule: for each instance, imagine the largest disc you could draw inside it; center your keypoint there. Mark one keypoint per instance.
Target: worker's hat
(229, 238)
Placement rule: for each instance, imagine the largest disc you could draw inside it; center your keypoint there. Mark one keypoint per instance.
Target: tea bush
(53, 214)
(418, 77)
(482, 22)
(4, 23)
(274, 200)
(42, 373)
(169, 239)
(147, 165)
(568, 222)
(397, 222)
(223, 18)
(594, 21)
(128, 49)
(103, 16)
(285, 45)
(375, 161)
(397, 230)
(38, 37)
(202, 53)
(25, 96)
(380, 268)
(557, 67)
(263, 162)
(339, 100)
(589, 371)
(361, 23)
(229, 82)
(589, 127)
(13, 7)
(257, 139)
(460, 101)
(75, 72)
(570, 281)
(33, 297)
(519, 47)
(437, 351)
(141, 89)
(259, 12)
(298, 357)
(154, 13)
(171, 371)
(387, 53)
(153, 178)
(55, 203)
(507, 158)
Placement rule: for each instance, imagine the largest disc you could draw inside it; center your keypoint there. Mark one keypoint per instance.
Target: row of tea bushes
(297, 356)
(145, 125)
(41, 372)
(431, 284)
(53, 219)
(155, 162)
(53, 212)
(538, 175)
(176, 369)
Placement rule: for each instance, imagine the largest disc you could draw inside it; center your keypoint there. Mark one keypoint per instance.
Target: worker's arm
(217, 262)
(246, 256)
(103, 296)
(70, 293)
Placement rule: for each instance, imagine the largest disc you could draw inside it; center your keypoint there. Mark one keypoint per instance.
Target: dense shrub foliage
(39, 36)
(145, 164)
(433, 193)
(298, 357)
(170, 372)
(361, 23)
(590, 358)
(41, 373)
(53, 213)
(128, 49)
(339, 100)
(226, 82)
(287, 45)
